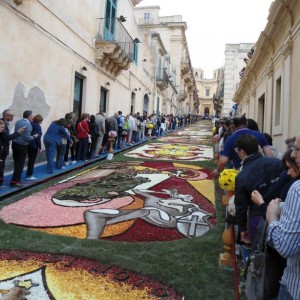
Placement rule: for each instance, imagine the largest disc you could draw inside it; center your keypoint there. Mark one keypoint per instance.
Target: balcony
(147, 21)
(182, 95)
(115, 48)
(162, 78)
(184, 66)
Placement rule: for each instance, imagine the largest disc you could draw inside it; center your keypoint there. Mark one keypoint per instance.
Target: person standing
(61, 148)
(149, 126)
(100, 123)
(7, 116)
(34, 146)
(257, 172)
(228, 153)
(284, 233)
(163, 126)
(113, 121)
(52, 139)
(121, 121)
(20, 145)
(2, 125)
(83, 131)
(131, 127)
(71, 117)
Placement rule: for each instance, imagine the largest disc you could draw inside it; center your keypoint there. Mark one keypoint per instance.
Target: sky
(213, 23)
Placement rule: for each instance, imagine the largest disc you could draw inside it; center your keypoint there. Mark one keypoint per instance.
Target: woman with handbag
(83, 131)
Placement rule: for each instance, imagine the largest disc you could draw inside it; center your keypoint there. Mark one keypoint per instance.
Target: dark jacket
(6, 137)
(36, 143)
(278, 190)
(258, 173)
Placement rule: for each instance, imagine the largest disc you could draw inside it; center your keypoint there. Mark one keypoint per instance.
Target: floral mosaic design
(134, 201)
(194, 133)
(159, 151)
(49, 276)
(185, 139)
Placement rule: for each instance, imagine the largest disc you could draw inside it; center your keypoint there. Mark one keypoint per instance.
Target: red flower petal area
(158, 165)
(142, 231)
(67, 263)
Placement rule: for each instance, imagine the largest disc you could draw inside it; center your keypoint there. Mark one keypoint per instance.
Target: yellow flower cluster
(227, 179)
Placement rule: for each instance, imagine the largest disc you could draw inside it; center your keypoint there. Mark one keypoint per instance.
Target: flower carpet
(120, 201)
(160, 193)
(161, 151)
(185, 140)
(47, 276)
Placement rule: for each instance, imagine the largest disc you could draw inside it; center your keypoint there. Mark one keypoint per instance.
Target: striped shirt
(284, 235)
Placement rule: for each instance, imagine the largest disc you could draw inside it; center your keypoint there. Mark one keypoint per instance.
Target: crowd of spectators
(70, 139)
(267, 192)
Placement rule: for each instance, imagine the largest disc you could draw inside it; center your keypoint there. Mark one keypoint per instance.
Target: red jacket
(82, 129)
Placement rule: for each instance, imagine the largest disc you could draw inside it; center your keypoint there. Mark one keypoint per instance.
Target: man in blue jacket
(228, 153)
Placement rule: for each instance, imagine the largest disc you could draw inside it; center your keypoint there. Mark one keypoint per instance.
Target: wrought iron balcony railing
(115, 48)
(112, 30)
(162, 77)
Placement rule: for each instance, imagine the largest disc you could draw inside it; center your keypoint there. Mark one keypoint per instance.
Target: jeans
(51, 147)
(61, 149)
(284, 294)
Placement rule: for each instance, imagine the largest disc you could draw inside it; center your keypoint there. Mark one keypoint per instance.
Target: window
(157, 106)
(146, 17)
(277, 102)
(146, 103)
(110, 19)
(207, 92)
(103, 100)
(77, 100)
(261, 112)
(135, 52)
(132, 105)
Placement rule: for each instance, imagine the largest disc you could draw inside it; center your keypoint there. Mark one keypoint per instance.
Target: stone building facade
(235, 54)
(90, 56)
(206, 90)
(176, 86)
(269, 91)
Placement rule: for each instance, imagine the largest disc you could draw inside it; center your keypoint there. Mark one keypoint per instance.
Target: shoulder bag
(263, 271)
(89, 136)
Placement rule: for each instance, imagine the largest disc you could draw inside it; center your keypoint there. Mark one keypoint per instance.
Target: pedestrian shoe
(31, 178)
(63, 168)
(73, 162)
(66, 163)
